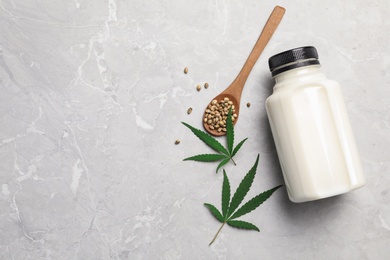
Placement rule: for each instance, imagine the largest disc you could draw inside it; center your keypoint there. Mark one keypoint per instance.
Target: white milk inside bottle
(311, 129)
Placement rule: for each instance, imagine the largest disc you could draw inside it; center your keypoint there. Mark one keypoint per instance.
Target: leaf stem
(231, 158)
(219, 230)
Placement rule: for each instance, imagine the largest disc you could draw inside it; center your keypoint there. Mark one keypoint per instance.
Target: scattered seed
(198, 88)
(248, 104)
(206, 85)
(189, 110)
(185, 70)
(177, 142)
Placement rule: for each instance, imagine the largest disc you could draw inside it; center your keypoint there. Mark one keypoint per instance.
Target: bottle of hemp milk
(311, 129)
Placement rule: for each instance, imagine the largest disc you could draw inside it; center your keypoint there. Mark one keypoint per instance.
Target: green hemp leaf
(223, 154)
(230, 213)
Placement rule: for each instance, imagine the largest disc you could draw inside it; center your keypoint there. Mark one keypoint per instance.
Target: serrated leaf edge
(243, 188)
(238, 147)
(232, 222)
(256, 201)
(214, 211)
(225, 195)
(222, 163)
(230, 132)
(218, 157)
(208, 139)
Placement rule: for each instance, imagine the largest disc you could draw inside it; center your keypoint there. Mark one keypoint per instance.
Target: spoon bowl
(236, 104)
(234, 91)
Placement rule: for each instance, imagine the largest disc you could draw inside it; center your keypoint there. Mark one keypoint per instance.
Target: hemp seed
(217, 112)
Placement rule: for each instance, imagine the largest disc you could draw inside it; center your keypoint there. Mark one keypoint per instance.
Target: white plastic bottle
(311, 129)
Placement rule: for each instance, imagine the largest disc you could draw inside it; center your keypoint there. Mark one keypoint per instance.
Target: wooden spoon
(234, 91)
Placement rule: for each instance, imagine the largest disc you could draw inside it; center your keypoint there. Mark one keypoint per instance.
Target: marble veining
(92, 96)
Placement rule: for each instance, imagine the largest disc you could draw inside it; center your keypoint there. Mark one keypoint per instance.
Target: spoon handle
(268, 30)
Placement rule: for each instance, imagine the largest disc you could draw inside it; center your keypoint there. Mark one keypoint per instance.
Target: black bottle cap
(294, 58)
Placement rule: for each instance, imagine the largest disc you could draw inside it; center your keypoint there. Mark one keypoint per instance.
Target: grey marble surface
(92, 96)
